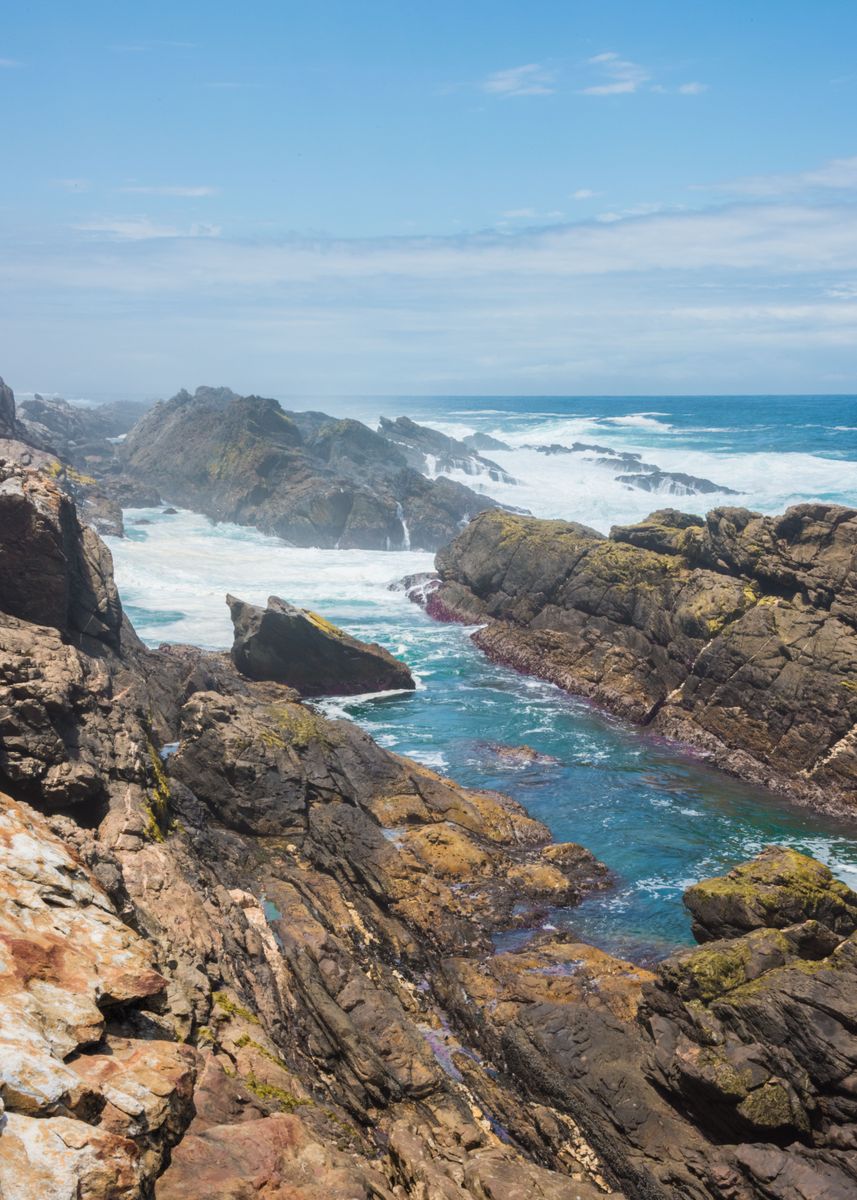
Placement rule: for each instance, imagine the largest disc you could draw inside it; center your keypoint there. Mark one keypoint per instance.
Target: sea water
(659, 818)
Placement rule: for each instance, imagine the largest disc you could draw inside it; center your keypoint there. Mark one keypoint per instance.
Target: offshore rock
(428, 450)
(736, 634)
(297, 647)
(305, 477)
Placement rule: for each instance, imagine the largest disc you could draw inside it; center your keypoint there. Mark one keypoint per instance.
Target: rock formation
(736, 634)
(429, 450)
(8, 421)
(305, 477)
(222, 914)
(301, 649)
(247, 952)
(629, 469)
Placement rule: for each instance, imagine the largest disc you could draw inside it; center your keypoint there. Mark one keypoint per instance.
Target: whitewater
(659, 818)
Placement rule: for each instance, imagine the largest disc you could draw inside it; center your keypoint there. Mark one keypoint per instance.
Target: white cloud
(9, 63)
(169, 190)
(694, 88)
(532, 79)
(583, 194)
(622, 75)
(836, 174)
(139, 229)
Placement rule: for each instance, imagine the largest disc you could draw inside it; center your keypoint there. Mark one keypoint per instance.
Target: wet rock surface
(297, 647)
(736, 633)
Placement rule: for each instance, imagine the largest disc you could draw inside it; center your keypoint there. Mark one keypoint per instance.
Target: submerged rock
(736, 633)
(297, 647)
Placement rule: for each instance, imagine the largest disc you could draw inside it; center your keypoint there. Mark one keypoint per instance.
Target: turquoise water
(656, 816)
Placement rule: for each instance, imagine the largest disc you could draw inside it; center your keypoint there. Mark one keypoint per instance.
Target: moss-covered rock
(303, 650)
(778, 888)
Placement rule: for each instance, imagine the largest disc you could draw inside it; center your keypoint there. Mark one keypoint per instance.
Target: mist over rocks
(428, 449)
(310, 479)
(736, 634)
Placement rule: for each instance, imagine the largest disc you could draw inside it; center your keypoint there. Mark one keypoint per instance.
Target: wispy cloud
(732, 297)
(532, 79)
(838, 174)
(620, 75)
(532, 214)
(168, 190)
(583, 194)
(10, 63)
(139, 229)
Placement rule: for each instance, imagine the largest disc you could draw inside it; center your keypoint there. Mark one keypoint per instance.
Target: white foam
(185, 564)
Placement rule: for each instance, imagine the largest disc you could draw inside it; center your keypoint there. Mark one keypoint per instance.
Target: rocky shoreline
(249, 953)
(736, 634)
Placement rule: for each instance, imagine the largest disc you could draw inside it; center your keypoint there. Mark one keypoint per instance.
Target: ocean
(658, 817)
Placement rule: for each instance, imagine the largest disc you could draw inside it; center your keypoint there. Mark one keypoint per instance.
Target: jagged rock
(429, 450)
(307, 478)
(673, 483)
(754, 1032)
(53, 571)
(737, 634)
(263, 965)
(297, 647)
(86, 1114)
(484, 441)
(8, 421)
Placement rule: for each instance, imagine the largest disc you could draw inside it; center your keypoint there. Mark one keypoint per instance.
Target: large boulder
(778, 888)
(297, 647)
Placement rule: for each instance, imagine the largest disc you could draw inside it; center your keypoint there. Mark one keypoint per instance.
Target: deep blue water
(657, 817)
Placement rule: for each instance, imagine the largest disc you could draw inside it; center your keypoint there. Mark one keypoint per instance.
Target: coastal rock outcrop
(308, 478)
(8, 421)
(297, 647)
(736, 634)
(53, 570)
(220, 956)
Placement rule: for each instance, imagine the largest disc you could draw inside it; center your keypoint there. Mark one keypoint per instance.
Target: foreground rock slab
(297, 647)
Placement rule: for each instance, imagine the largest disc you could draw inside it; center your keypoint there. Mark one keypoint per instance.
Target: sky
(470, 197)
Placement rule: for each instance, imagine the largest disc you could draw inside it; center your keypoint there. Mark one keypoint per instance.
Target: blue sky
(478, 197)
